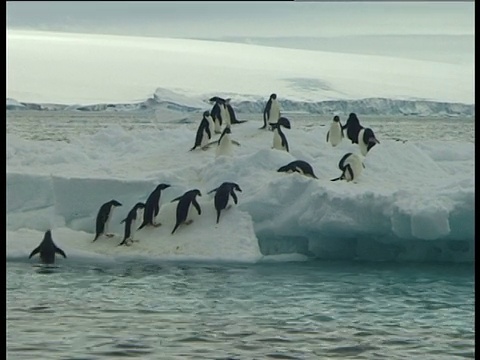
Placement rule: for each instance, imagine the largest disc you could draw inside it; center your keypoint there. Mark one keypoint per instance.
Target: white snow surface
(69, 68)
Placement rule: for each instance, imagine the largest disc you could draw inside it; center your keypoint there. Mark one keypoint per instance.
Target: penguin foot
(228, 207)
(157, 224)
(188, 222)
(109, 235)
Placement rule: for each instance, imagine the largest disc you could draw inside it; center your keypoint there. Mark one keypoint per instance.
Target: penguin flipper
(60, 251)
(212, 190)
(234, 196)
(235, 142)
(328, 134)
(35, 251)
(176, 199)
(197, 206)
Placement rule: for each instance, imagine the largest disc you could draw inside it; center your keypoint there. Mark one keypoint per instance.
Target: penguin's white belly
(225, 147)
(274, 112)
(335, 134)
(205, 139)
(357, 167)
(225, 116)
(361, 144)
(277, 141)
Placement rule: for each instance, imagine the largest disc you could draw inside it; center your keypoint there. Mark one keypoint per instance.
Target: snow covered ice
(413, 201)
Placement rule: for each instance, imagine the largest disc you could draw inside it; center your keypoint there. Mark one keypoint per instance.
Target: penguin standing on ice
(134, 215)
(184, 202)
(222, 195)
(103, 218)
(279, 139)
(204, 132)
(353, 128)
(299, 166)
(152, 206)
(271, 112)
(225, 143)
(351, 166)
(335, 134)
(219, 113)
(47, 249)
(366, 140)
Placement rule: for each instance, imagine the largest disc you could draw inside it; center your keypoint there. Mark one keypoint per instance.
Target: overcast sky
(243, 19)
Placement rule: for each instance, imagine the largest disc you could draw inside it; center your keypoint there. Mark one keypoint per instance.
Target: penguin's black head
(227, 130)
(115, 203)
(284, 122)
(163, 186)
(353, 120)
(236, 187)
(273, 96)
(336, 118)
(217, 99)
(48, 235)
(196, 192)
(206, 113)
(139, 205)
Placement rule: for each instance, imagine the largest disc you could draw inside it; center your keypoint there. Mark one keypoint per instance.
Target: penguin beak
(373, 140)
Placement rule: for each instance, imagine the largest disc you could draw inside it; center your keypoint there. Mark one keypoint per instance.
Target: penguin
(133, 215)
(271, 112)
(183, 206)
(351, 166)
(224, 144)
(152, 206)
(219, 113)
(353, 128)
(279, 140)
(47, 249)
(299, 166)
(222, 195)
(103, 218)
(366, 140)
(233, 117)
(335, 134)
(204, 132)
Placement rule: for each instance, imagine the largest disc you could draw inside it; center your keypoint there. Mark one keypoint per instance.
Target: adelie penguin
(134, 215)
(225, 143)
(233, 117)
(219, 113)
(204, 132)
(353, 128)
(104, 217)
(351, 166)
(335, 134)
(152, 207)
(184, 202)
(271, 112)
(279, 139)
(366, 140)
(47, 249)
(299, 166)
(222, 195)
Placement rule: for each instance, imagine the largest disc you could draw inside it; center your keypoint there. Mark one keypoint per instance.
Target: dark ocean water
(289, 310)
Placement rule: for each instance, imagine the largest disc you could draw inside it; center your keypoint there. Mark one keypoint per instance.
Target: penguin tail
(142, 226)
(338, 178)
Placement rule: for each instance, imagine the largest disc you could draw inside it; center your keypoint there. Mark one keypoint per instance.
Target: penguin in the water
(225, 143)
(366, 140)
(271, 112)
(183, 206)
(279, 139)
(219, 113)
(353, 128)
(204, 132)
(351, 166)
(299, 166)
(222, 195)
(135, 214)
(103, 218)
(335, 134)
(47, 249)
(152, 206)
